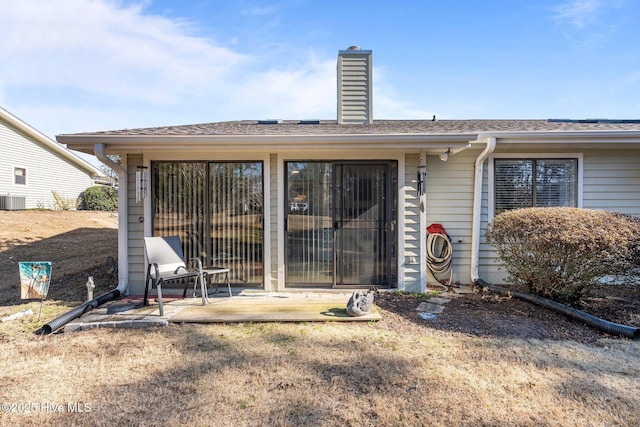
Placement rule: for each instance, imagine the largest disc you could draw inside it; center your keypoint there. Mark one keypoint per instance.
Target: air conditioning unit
(12, 203)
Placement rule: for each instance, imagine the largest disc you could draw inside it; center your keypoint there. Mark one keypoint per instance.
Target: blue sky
(71, 66)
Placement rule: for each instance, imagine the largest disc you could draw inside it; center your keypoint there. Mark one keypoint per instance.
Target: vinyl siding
(450, 203)
(354, 87)
(411, 239)
(135, 242)
(46, 172)
(611, 181)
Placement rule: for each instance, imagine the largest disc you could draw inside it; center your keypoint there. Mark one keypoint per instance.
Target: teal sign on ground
(35, 278)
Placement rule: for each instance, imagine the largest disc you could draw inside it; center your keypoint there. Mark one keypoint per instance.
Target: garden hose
(440, 254)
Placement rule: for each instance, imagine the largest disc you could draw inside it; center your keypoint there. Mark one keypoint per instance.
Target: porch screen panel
(179, 201)
(362, 217)
(236, 219)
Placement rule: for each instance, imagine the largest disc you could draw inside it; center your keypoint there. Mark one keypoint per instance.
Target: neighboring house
(369, 188)
(33, 166)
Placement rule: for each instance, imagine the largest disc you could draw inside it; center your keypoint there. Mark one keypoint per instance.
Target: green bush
(99, 198)
(561, 253)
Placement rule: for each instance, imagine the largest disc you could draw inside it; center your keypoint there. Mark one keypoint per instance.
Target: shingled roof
(378, 127)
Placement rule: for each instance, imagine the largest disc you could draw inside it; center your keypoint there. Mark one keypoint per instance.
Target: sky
(69, 66)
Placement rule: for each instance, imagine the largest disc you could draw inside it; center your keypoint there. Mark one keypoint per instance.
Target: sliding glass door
(340, 228)
(217, 210)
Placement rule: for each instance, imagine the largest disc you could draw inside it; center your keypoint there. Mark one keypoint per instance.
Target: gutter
(123, 264)
(123, 229)
(477, 207)
(85, 142)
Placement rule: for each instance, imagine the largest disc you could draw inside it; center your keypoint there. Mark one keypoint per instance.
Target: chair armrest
(156, 270)
(198, 263)
(178, 269)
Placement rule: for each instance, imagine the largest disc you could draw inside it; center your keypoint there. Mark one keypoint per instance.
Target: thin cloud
(578, 13)
(82, 65)
(109, 50)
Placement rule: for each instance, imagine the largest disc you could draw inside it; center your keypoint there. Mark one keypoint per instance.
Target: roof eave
(564, 137)
(38, 137)
(123, 143)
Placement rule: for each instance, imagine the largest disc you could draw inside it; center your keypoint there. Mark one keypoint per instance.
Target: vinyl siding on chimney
(354, 87)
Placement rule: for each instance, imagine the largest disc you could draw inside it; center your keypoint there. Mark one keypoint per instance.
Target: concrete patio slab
(246, 306)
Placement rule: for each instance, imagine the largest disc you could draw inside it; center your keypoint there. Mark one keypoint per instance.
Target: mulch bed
(490, 315)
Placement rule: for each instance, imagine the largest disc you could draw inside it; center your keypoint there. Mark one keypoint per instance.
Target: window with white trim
(541, 182)
(20, 176)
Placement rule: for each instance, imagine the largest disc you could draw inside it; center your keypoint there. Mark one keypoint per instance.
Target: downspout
(477, 207)
(595, 322)
(123, 252)
(123, 269)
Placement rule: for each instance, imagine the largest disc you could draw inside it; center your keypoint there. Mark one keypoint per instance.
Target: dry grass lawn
(300, 374)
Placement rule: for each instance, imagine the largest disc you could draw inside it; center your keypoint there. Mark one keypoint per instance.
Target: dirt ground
(80, 244)
(487, 314)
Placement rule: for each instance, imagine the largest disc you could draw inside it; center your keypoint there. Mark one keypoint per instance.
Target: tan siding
(488, 266)
(411, 225)
(137, 268)
(612, 180)
(450, 203)
(354, 87)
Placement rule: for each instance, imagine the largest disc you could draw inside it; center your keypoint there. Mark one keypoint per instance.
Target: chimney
(355, 77)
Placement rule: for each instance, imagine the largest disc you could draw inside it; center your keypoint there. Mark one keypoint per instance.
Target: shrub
(63, 203)
(561, 253)
(99, 198)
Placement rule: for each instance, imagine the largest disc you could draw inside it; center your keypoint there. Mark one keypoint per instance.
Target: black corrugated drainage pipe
(594, 322)
(60, 321)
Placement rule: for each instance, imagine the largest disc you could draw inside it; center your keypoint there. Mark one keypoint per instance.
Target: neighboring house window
(534, 182)
(20, 176)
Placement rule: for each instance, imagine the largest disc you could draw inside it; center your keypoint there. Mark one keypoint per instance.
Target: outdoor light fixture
(445, 156)
(420, 179)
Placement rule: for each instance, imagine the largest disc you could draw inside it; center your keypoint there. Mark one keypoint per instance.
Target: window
(216, 208)
(20, 175)
(521, 183)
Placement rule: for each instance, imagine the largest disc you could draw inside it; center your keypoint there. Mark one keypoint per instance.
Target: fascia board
(565, 137)
(115, 143)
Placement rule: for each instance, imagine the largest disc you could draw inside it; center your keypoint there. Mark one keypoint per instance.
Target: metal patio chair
(166, 263)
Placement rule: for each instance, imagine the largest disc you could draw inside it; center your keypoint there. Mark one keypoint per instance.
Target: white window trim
(13, 176)
(529, 156)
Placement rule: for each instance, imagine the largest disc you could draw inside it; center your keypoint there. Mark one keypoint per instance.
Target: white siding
(46, 172)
